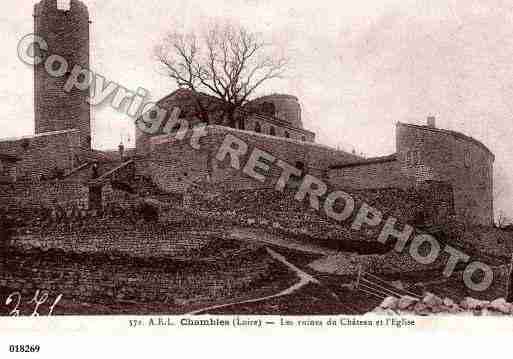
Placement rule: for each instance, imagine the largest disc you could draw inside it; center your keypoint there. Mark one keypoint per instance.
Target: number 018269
(24, 348)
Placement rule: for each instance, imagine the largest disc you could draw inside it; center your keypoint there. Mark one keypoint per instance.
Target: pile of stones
(431, 304)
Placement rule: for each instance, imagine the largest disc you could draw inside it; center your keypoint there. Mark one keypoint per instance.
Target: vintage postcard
(255, 165)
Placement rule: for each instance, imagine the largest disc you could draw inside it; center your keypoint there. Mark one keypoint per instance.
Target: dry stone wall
(171, 159)
(117, 279)
(42, 155)
(43, 194)
(373, 175)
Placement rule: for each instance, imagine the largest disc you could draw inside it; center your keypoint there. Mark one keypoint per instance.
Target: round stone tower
(282, 106)
(427, 153)
(65, 27)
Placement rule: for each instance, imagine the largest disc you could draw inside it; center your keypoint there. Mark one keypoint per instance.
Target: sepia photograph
(253, 163)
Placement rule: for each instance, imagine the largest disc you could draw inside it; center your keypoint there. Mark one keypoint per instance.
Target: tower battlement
(60, 6)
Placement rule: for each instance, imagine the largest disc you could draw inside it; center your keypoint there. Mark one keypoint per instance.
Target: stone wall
(42, 154)
(98, 278)
(371, 175)
(45, 194)
(117, 235)
(174, 168)
(265, 207)
(170, 159)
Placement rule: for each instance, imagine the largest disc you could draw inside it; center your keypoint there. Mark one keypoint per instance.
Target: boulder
(382, 311)
(490, 312)
(433, 301)
(421, 309)
(448, 302)
(500, 305)
(432, 305)
(473, 304)
(454, 309)
(389, 303)
(406, 303)
(481, 312)
(450, 306)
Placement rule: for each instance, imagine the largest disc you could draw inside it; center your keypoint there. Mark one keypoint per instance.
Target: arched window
(258, 128)
(287, 135)
(303, 138)
(272, 131)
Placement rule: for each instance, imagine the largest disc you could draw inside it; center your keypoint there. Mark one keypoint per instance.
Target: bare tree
(227, 62)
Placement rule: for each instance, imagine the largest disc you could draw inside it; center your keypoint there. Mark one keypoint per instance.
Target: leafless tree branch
(227, 62)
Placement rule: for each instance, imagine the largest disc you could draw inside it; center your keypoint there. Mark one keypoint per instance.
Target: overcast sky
(359, 66)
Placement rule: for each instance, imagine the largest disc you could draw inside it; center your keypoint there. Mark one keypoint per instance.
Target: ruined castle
(60, 151)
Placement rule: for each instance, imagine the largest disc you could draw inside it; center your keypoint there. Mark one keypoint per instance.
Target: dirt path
(246, 234)
(304, 279)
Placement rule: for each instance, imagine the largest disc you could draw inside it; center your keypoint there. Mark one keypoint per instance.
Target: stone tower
(65, 27)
